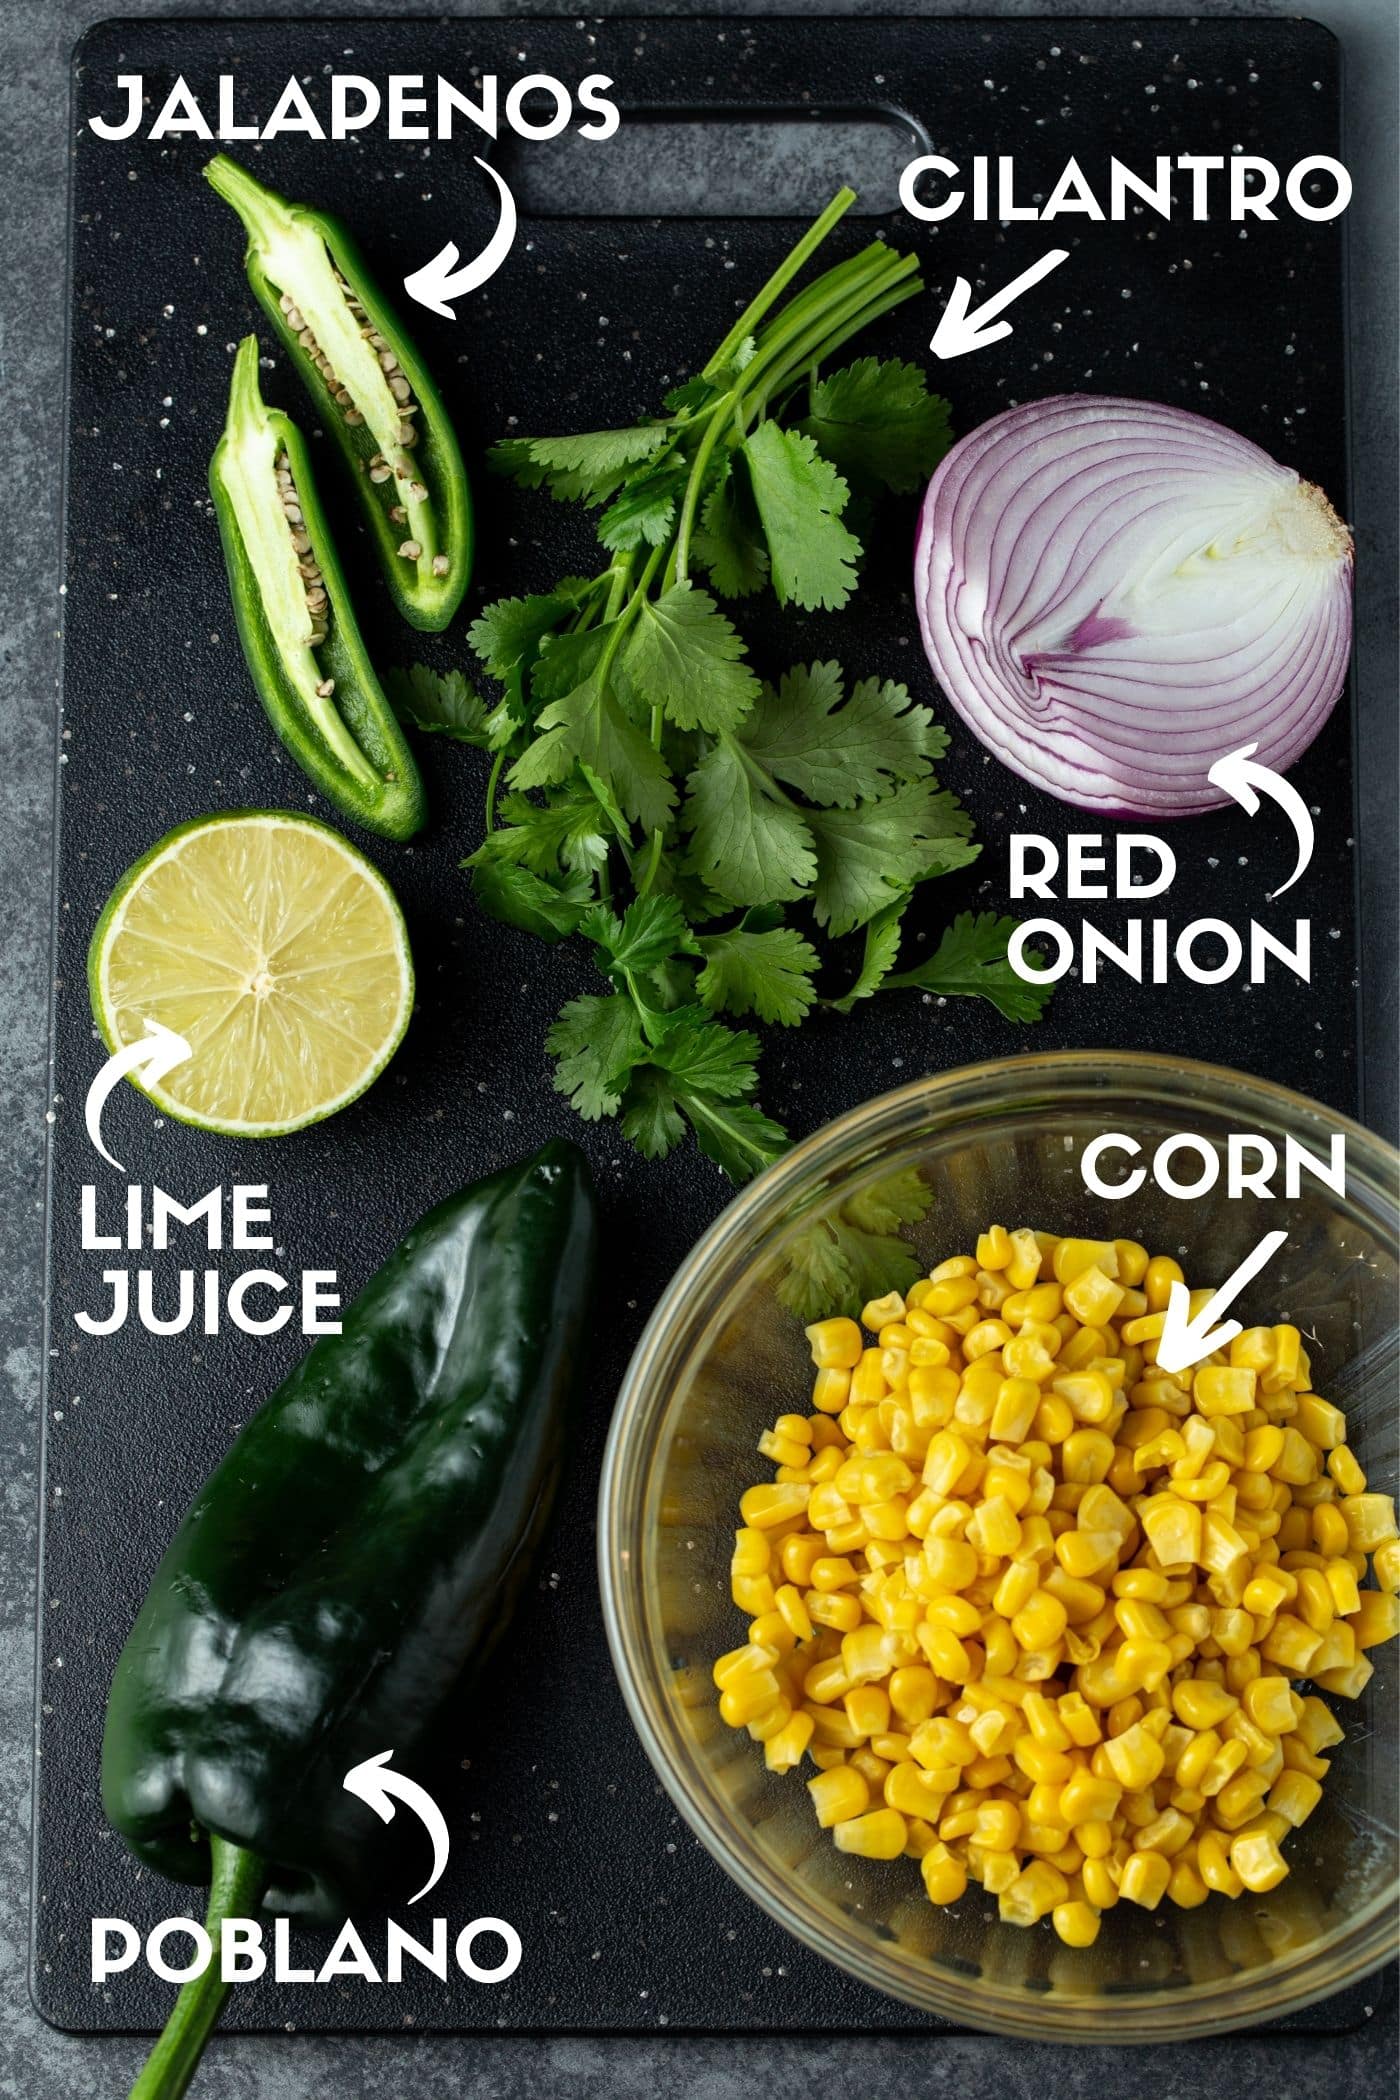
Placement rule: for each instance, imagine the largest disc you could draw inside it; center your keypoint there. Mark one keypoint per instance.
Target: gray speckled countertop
(35, 2062)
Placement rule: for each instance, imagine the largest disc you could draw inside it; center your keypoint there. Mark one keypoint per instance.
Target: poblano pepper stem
(237, 1886)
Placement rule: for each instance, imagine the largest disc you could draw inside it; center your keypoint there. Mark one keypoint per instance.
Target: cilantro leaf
(747, 844)
(510, 631)
(877, 421)
(441, 703)
(882, 937)
(705, 1070)
(736, 1135)
(588, 726)
(867, 855)
(839, 754)
(902, 1198)
(566, 833)
(644, 512)
(517, 897)
(650, 932)
(817, 1280)
(729, 540)
(684, 657)
(835, 1267)
(703, 1056)
(599, 455)
(853, 1251)
(800, 498)
(565, 660)
(971, 961)
(760, 970)
(650, 1119)
(597, 1041)
(692, 395)
(513, 456)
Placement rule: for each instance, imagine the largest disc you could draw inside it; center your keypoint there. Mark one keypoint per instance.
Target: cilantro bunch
(649, 791)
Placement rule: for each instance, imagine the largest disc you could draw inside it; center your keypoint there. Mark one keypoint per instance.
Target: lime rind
(109, 925)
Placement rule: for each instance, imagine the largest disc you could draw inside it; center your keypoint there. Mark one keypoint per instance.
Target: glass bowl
(721, 1357)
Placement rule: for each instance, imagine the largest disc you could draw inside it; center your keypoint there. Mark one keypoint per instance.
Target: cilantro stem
(497, 762)
(678, 567)
(653, 862)
(831, 327)
(621, 573)
(907, 288)
(825, 289)
(782, 277)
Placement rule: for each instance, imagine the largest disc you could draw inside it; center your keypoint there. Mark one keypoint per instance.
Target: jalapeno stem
(238, 1884)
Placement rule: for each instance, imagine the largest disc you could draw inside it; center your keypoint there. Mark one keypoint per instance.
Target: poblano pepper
(370, 386)
(355, 1553)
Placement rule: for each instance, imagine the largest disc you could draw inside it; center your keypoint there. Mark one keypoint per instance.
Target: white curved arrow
(159, 1051)
(440, 280)
(1185, 1341)
(959, 331)
(1240, 774)
(378, 1786)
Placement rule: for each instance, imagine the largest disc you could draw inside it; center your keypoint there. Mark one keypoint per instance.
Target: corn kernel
(998, 1826)
(944, 1876)
(1370, 1520)
(867, 1709)
(1376, 1618)
(1174, 1530)
(1040, 1622)
(1239, 1799)
(745, 1698)
(770, 1504)
(835, 1344)
(913, 1791)
(1144, 1879)
(1220, 1389)
(1293, 1796)
(1036, 1891)
(831, 1390)
(1345, 1472)
(786, 1749)
(1198, 1703)
(1076, 1923)
(1186, 1889)
(838, 1795)
(882, 1834)
(743, 1662)
(1257, 1860)
(1134, 1758)
(1291, 1643)
(1072, 1258)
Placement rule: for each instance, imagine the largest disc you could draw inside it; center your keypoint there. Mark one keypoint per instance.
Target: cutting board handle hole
(750, 163)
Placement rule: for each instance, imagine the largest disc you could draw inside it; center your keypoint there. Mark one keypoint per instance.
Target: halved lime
(275, 949)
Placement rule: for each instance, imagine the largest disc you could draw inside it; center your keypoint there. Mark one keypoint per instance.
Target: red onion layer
(1115, 594)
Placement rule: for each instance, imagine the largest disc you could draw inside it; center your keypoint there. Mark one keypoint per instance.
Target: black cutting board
(560, 1826)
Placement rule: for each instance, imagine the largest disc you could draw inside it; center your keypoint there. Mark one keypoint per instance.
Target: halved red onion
(1114, 594)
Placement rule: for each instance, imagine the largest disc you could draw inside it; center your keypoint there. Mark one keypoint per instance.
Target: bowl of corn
(1038, 1683)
